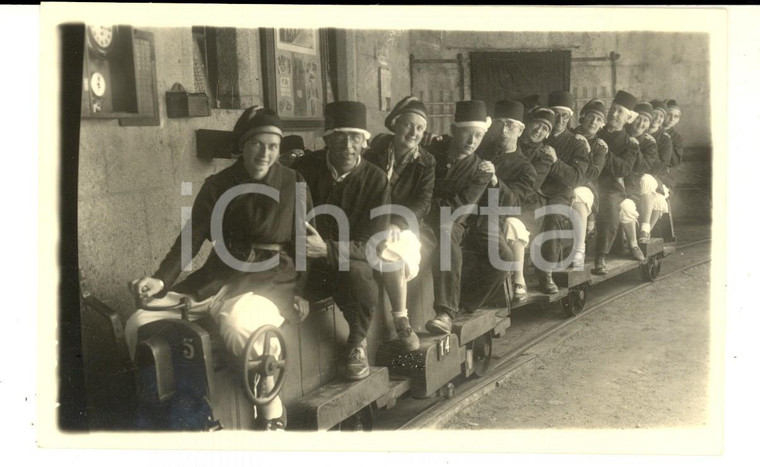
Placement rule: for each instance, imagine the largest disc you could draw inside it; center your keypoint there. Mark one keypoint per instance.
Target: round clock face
(98, 84)
(101, 37)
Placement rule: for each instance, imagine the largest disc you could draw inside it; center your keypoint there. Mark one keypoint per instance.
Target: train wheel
(575, 301)
(360, 421)
(481, 355)
(651, 269)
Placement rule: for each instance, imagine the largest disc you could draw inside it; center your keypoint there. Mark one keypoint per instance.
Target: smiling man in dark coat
(339, 176)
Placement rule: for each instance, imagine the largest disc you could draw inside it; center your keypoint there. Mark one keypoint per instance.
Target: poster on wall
(296, 74)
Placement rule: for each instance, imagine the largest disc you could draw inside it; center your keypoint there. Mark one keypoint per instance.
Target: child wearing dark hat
(645, 181)
(515, 177)
(542, 157)
(614, 209)
(562, 185)
(458, 182)
(593, 116)
(411, 175)
(239, 300)
(338, 176)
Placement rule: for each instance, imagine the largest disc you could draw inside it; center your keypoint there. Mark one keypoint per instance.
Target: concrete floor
(641, 362)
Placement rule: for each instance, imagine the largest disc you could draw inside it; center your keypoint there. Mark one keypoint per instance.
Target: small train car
(170, 391)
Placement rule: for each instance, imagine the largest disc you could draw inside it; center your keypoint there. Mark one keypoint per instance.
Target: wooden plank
(292, 389)
(468, 327)
(428, 367)
(309, 344)
(571, 278)
(651, 247)
(615, 267)
(334, 402)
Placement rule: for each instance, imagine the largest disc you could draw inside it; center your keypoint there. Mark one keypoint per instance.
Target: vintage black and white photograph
(501, 230)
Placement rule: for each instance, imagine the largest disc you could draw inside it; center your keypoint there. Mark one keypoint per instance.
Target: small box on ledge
(181, 104)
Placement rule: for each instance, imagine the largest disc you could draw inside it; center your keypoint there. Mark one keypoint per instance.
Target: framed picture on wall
(294, 75)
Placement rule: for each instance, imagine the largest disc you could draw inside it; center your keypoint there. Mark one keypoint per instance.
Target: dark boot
(600, 265)
(546, 283)
(439, 325)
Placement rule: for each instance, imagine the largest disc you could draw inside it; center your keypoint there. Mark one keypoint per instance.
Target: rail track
(511, 351)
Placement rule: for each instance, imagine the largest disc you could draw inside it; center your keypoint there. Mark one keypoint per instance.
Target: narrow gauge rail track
(427, 414)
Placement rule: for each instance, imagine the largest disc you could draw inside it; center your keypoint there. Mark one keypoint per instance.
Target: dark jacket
(249, 219)
(515, 173)
(570, 168)
(665, 151)
(677, 140)
(457, 183)
(411, 183)
(536, 155)
(621, 157)
(365, 188)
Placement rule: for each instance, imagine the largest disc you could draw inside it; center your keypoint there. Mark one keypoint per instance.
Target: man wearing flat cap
(339, 176)
(459, 182)
(593, 117)
(411, 174)
(614, 209)
(255, 228)
(514, 176)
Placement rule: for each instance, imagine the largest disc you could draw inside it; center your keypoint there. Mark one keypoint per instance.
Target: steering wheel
(264, 365)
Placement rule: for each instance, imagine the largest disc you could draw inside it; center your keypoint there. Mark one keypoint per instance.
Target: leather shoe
(439, 325)
(547, 284)
(637, 254)
(600, 266)
(406, 336)
(357, 365)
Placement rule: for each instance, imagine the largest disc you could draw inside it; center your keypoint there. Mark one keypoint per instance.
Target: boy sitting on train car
(614, 209)
(411, 174)
(644, 182)
(514, 176)
(459, 183)
(255, 229)
(347, 188)
(532, 143)
(563, 184)
(593, 117)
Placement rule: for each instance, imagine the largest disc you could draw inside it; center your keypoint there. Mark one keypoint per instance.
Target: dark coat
(570, 169)
(365, 188)
(677, 140)
(249, 219)
(411, 183)
(457, 183)
(598, 158)
(621, 158)
(516, 176)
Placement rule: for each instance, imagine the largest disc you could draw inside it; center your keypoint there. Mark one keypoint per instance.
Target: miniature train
(181, 379)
